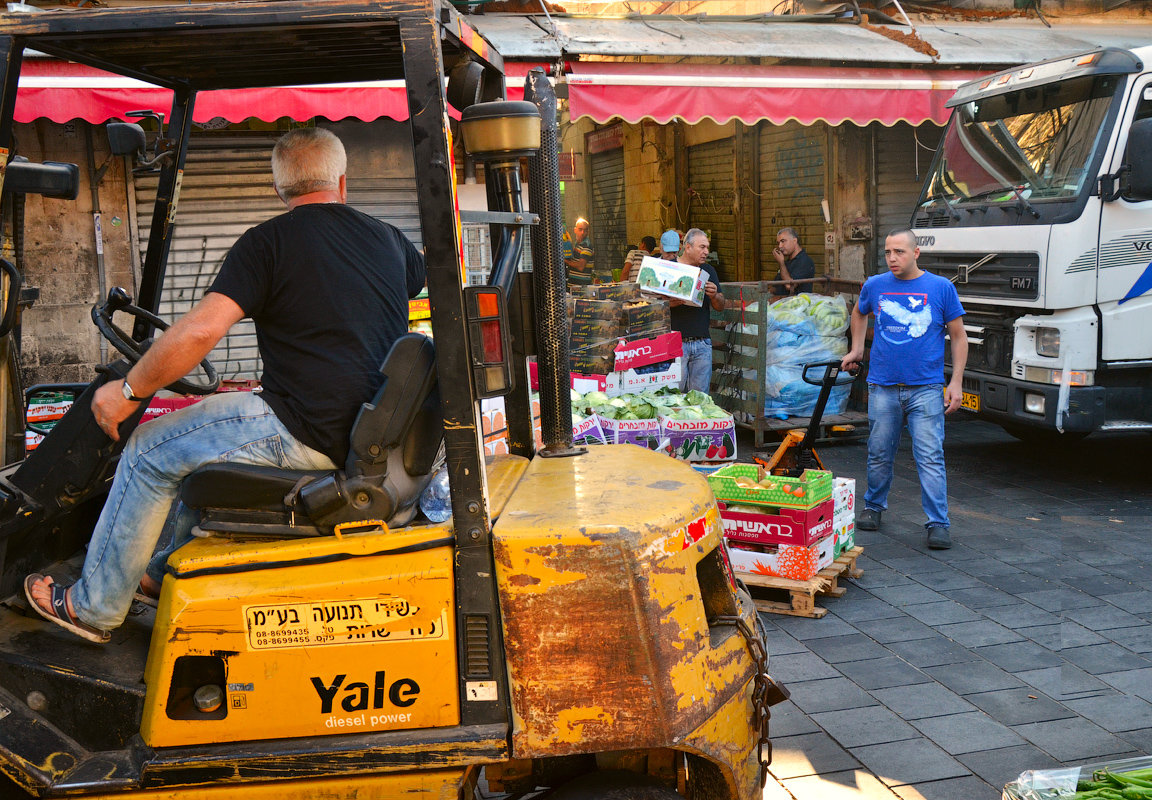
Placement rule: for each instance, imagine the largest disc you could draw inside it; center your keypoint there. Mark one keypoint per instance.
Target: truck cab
(1036, 208)
(574, 624)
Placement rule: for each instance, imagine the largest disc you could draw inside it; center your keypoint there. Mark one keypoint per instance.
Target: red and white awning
(751, 93)
(62, 91)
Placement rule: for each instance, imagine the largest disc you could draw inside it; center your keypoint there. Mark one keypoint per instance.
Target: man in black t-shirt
(327, 288)
(795, 263)
(694, 323)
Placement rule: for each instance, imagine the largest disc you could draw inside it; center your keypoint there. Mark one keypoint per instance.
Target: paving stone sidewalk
(944, 674)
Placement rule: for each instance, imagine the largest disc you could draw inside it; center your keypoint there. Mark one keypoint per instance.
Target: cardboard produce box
(672, 279)
(795, 562)
(630, 381)
(642, 432)
(777, 525)
(844, 513)
(700, 439)
(747, 483)
(494, 427)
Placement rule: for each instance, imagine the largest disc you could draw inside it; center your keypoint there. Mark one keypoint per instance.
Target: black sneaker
(939, 538)
(869, 520)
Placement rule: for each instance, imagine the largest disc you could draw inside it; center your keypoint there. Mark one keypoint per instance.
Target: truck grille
(990, 336)
(1013, 276)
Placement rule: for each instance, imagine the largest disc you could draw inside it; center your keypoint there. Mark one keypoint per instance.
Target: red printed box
(642, 352)
(767, 525)
(782, 561)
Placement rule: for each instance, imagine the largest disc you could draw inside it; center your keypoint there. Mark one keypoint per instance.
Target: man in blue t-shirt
(913, 309)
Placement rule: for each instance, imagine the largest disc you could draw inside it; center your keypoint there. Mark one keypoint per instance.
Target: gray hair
(692, 235)
(307, 160)
(790, 231)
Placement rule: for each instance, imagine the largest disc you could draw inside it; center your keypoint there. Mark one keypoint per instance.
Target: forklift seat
(394, 446)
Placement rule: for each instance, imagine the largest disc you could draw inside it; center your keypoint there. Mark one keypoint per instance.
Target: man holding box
(914, 310)
(694, 323)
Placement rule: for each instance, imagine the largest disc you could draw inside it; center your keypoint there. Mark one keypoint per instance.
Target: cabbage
(713, 412)
(698, 398)
(575, 397)
(595, 399)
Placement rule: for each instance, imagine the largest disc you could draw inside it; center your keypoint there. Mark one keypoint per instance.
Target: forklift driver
(327, 288)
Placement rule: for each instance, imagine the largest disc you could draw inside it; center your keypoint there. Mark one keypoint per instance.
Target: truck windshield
(1035, 144)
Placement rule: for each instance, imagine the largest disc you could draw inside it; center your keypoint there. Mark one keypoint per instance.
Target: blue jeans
(237, 427)
(922, 407)
(697, 366)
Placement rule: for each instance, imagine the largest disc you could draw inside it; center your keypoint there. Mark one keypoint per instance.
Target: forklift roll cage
(190, 49)
(643, 560)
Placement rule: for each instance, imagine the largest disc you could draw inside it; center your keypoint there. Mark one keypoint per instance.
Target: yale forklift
(573, 628)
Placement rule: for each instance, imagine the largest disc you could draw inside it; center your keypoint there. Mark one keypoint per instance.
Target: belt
(697, 339)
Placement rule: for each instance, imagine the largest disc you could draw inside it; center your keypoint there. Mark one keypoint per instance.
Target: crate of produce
(747, 483)
(1125, 778)
(775, 525)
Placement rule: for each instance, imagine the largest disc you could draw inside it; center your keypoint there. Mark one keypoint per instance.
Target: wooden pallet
(801, 600)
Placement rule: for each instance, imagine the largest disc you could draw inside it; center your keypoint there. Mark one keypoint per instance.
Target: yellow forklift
(573, 628)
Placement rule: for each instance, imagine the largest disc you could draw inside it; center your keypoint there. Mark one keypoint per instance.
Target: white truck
(1038, 207)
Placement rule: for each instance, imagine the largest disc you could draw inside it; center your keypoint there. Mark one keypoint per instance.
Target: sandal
(59, 615)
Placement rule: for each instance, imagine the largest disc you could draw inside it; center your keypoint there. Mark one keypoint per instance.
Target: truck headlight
(1048, 342)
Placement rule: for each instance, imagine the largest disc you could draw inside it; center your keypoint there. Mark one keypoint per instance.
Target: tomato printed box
(779, 525)
(672, 279)
(795, 562)
(699, 439)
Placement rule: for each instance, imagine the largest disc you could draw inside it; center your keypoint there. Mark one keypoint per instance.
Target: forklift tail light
(490, 343)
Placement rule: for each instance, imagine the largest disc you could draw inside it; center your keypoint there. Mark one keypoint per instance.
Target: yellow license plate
(970, 401)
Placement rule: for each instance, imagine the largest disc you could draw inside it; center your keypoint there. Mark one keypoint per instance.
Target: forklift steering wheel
(118, 300)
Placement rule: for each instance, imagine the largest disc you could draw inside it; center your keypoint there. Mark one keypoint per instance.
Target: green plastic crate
(817, 486)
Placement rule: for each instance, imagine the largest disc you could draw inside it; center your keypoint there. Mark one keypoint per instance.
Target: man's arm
(715, 296)
(859, 329)
(172, 356)
(953, 394)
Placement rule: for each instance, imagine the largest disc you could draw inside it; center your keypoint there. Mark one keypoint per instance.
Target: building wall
(648, 175)
(59, 343)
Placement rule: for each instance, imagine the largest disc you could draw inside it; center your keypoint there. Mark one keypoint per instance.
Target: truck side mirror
(1140, 160)
(127, 139)
(52, 178)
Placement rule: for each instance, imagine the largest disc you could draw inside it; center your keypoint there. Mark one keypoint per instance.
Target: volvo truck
(1038, 207)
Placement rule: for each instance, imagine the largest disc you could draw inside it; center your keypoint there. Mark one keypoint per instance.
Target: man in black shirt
(327, 288)
(694, 323)
(795, 263)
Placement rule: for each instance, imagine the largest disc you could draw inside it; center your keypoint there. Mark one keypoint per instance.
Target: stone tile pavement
(942, 675)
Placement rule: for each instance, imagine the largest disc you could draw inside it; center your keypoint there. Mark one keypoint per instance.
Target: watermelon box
(699, 439)
(672, 279)
(795, 562)
(774, 526)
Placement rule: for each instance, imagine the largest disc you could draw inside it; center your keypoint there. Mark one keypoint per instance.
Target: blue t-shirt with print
(911, 320)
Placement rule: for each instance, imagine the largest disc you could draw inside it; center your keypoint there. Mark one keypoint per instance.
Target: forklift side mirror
(1140, 160)
(127, 139)
(52, 178)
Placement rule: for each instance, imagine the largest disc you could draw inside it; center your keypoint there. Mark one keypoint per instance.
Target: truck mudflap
(1004, 400)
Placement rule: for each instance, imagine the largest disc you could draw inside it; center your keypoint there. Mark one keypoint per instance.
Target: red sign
(610, 138)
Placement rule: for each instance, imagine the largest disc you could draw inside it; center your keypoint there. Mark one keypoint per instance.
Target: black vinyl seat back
(394, 445)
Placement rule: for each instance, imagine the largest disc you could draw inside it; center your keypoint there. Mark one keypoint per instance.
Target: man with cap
(669, 245)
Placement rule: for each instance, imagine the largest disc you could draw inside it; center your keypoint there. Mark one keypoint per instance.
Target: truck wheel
(613, 785)
(1043, 436)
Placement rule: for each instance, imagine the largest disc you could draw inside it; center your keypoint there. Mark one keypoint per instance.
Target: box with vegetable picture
(692, 434)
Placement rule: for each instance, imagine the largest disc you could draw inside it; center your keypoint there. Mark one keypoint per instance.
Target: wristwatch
(126, 390)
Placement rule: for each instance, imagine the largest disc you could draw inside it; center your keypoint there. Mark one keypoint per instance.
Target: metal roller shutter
(903, 157)
(792, 163)
(227, 188)
(712, 199)
(609, 222)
